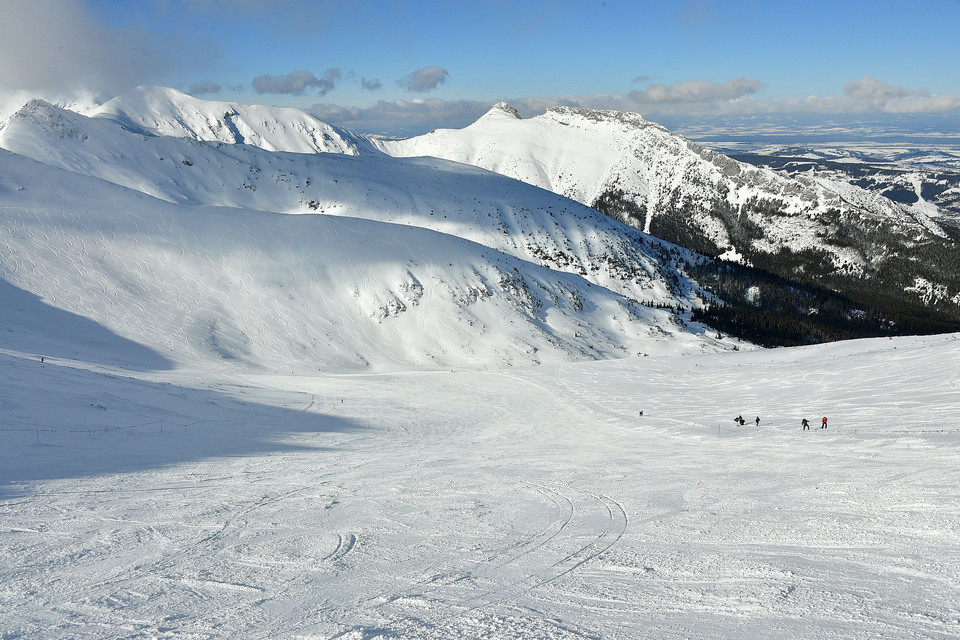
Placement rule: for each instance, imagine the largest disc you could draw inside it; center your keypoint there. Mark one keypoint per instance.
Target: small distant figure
(806, 424)
(739, 420)
(758, 421)
(824, 425)
(41, 359)
(641, 412)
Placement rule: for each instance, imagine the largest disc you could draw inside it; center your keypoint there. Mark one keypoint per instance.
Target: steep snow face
(664, 184)
(483, 207)
(168, 112)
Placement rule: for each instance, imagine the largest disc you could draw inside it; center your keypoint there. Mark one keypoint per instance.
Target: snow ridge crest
(630, 119)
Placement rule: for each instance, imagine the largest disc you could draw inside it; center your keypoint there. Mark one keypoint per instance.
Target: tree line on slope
(802, 296)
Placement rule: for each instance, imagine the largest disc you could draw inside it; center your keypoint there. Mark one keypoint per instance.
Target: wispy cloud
(370, 84)
(297, 82)
(870, 94)
(404, 116)
(697, 91)
(204, 88)
(424, 79)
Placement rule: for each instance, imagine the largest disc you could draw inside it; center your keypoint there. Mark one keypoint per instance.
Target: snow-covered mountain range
(189, 247)
(641, 173)
(476, 245)
(923, 178)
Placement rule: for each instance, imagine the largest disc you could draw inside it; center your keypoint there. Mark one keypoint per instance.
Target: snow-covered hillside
(186, 247)
(311, 292)
(483, 207)
(168, 112)
(640, 172)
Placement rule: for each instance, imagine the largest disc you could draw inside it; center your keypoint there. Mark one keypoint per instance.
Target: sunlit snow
(427, 407)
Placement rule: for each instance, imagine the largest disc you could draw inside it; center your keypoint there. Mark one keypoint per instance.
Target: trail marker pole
(38, 436)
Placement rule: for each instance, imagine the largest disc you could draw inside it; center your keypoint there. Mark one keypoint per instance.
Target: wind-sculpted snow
(305, 293)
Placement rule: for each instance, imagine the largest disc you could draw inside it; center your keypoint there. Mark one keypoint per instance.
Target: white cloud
(202, 88)
(297, 82)
(60, 45)
(697, 91)
(872, 90)
(424, 79)
(404, 116)
(868, 94)
(691, 98)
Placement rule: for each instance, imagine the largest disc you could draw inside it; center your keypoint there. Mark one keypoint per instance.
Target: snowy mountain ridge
(261, 394)
(188, 248)
(483, 207)
(163, 111)
(643, 174)
(585, 153)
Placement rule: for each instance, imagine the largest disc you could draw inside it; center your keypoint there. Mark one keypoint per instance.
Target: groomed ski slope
(512, 503)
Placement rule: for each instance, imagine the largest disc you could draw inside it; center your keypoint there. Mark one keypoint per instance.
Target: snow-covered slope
(521, 503)
(564, 150)
(483, 207)
(640, 172)
(167, 112)
(365, 286)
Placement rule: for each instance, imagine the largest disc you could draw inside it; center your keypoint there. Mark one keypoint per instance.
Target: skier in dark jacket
(758, 421)
(806, 424)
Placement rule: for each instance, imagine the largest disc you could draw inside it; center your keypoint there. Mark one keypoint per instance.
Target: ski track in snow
(503, 504)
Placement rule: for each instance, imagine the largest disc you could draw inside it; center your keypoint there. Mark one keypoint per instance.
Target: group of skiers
(804, 423)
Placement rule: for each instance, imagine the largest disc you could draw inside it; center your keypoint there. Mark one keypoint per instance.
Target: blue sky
(441, 63)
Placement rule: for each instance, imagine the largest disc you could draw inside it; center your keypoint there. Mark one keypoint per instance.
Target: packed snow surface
(517, 503)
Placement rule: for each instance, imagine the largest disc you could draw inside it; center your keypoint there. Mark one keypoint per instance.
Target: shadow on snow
(29, 325)
(60, 422)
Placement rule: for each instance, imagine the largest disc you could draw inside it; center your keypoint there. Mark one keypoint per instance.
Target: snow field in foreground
(529, 503)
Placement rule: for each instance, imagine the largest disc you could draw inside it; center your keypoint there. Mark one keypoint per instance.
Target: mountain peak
(168, 112)
(502, 108)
